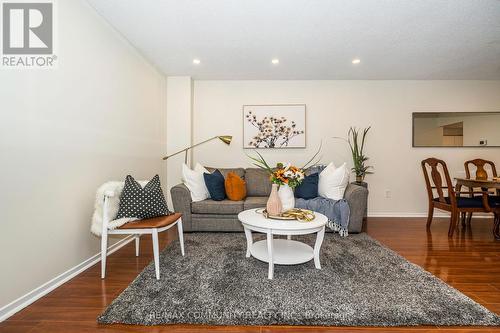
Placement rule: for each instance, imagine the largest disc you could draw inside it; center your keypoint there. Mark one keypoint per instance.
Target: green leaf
(314, 156)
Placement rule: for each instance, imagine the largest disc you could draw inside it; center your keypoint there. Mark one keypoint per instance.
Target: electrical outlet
(388, 193)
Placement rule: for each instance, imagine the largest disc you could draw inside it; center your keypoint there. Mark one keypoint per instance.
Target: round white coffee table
(282, 251)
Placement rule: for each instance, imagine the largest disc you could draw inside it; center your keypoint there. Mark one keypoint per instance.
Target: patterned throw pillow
(142, 203)
(236, 188)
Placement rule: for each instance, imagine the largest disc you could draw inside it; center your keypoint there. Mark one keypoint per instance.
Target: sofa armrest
(181, 198)
(357, 198)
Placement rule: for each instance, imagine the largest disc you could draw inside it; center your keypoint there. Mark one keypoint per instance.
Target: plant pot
(359, 179)
(273, 205)
(286, 196)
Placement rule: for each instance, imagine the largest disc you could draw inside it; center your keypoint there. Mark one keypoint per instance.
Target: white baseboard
(393, 214)
(23, 301)
(436, 214)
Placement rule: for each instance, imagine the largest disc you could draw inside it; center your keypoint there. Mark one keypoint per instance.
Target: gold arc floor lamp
(224, 138)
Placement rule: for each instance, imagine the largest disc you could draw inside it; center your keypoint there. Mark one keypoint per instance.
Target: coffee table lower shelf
(285, 252)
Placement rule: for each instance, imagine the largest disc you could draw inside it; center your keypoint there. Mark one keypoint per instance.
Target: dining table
(491, 183)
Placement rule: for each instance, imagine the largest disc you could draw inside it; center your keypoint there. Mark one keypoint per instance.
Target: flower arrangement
(286, 177)
(284, 174)
(287, 174)
(273, 131)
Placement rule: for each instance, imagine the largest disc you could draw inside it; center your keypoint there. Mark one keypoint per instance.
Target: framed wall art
(274, 126)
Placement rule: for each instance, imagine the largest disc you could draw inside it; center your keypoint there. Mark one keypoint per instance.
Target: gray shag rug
(361, 283)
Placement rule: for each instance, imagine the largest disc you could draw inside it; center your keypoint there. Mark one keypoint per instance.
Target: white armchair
(151, 226)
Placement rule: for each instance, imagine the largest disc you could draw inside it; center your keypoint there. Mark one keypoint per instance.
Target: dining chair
(440, 181)
(152, 226)
(481, 173)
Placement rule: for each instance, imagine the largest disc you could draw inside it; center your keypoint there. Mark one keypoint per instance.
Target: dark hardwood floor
(469, 262)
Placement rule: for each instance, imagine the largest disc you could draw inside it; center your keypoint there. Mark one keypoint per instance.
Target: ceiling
(313, 39)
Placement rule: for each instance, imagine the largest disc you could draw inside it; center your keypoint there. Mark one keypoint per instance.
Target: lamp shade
(226, 139)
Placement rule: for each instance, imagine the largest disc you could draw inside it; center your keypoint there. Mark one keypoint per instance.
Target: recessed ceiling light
(356, 61)
(196, 61)
(275, 61)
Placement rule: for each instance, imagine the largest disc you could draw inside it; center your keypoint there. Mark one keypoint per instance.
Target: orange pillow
(236, 188)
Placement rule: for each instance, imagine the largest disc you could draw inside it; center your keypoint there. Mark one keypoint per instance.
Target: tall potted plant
(359, 159)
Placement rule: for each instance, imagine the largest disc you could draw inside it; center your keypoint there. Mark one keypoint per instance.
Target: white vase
(286, 196)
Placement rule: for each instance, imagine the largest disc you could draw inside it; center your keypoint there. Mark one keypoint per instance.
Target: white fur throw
(113, 190)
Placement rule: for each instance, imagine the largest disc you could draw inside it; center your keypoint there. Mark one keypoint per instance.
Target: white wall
(333, 106)
(179, 125)
(99, 116)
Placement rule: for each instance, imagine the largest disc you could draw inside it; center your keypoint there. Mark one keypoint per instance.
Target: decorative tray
(301, 215)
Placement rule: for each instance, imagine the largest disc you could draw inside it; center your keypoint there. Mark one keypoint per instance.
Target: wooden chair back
(481, 172)
(438, 173)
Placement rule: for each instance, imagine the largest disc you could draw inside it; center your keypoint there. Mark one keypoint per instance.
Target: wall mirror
(456, 129)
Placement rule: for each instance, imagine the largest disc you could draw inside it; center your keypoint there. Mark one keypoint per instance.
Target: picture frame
(274, 126)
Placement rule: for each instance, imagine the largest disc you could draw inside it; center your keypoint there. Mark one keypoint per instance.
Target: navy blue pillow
(308, 189)
(215, 185)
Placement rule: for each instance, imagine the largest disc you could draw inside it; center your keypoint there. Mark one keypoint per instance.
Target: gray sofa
(210, 215)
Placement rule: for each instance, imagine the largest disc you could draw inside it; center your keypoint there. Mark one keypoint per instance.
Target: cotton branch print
(273, 132)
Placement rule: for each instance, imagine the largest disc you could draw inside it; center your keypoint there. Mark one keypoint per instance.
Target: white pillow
(333, 181)
(194, 181)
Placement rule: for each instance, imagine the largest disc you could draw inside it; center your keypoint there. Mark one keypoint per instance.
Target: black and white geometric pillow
(142, 203)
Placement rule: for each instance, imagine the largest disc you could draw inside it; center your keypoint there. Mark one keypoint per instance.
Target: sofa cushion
(317, 168)
(258, 183)
(142, 202)
(239, 171)
(236, 188)
(223, 207)
(308, 189)
(254, 202)
(193, 179)
(215, 185)
(333, 181)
